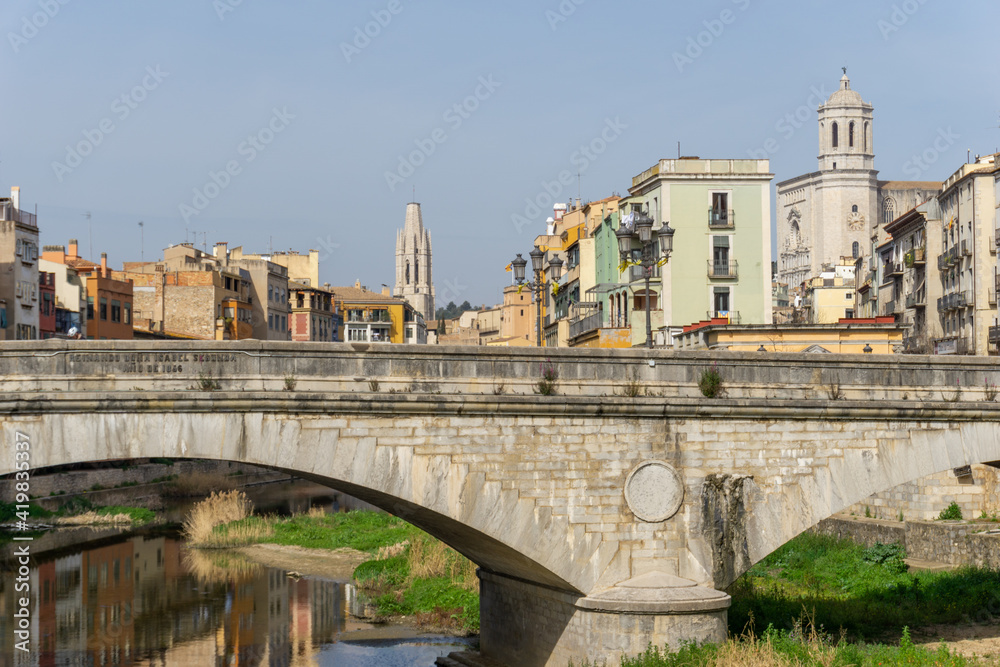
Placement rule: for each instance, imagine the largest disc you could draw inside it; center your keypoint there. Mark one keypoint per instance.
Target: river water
(143, 598)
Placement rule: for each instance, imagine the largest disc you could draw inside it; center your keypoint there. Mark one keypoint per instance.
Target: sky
(310, 124)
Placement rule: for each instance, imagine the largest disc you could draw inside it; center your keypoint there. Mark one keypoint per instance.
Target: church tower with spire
(414, 264)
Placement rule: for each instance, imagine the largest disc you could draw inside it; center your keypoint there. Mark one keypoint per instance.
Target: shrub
(223, 508)
(888, 555)
(951, 513)
(710, 382)
(290, 382)
(550, 376)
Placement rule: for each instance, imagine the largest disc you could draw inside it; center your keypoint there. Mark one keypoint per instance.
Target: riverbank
(402, 573)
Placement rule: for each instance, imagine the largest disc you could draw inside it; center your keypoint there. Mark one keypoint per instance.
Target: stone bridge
(606, 515)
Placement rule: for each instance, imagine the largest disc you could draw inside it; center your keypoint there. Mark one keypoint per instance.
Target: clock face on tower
(856, 221)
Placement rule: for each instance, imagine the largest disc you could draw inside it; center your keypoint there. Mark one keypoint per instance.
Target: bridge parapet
(351, 367)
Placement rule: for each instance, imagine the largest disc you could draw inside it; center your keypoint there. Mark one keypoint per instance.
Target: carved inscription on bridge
(149, 362)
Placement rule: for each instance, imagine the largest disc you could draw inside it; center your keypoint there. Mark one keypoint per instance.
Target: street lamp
(644, 234)
(537, 285)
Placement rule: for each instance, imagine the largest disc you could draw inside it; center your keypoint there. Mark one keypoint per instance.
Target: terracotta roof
(362, 295)
(910, 185)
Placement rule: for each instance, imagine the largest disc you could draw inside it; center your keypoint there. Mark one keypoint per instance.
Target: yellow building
(370, 317)
(880, 335)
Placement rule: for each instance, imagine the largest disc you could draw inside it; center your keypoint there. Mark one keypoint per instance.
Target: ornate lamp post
(644, 234)
(537, 285)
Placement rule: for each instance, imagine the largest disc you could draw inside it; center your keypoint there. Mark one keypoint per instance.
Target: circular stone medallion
(654, 491)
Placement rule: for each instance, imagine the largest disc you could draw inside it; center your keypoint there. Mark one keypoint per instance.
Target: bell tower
(414, 263)
(845, 131)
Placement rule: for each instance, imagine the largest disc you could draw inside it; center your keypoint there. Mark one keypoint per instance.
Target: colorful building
(314, 315)
(370, 317)
(19, 268)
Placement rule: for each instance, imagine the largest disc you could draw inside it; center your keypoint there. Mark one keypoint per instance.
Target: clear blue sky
(330, 121)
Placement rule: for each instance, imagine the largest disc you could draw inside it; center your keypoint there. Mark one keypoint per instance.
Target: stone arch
(435, 492)
(772, 519)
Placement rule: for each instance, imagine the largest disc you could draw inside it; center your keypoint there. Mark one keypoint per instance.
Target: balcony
(916, 257)
(731, 315)
(355, 316)
(722, 269)
(993, 297)
(995, 334)
(890, 307)
(911, 300)
(966, 249)
(997, 237)
(8, 212)
(893, 269)
(585, 325)
(721, 219)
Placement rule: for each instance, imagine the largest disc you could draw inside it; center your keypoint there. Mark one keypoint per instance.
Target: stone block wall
(923, 499)
(948, 542)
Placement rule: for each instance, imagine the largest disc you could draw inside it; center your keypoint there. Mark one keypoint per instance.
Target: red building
(314, 312)
(47, 304)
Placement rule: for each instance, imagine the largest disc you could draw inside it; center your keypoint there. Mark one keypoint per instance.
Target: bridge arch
(758, 514)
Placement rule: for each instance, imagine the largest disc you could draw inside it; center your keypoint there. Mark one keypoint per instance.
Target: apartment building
(19, 268)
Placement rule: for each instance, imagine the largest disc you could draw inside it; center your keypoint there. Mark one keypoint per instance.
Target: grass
(80, 512)
(787, 648)
(410, 572)
(866, 593)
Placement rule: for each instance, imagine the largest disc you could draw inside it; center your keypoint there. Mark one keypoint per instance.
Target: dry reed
(92, 519)
(429, 558)
(223, 508)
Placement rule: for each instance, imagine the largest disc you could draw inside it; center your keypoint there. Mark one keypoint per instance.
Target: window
(407, 273)
(90, 307)
(854, 209)
(855, 250)
(270, 292)
(721, 300)
(720, 255)
(850, 135)
(865, 138)
(834, 137)
(116, 310)
(127, 313)
(104, 308)
(416, 271)
(270, 320)
(357, 334)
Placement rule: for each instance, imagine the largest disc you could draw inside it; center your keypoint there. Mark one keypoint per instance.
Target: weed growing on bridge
(373, 385)
(290, 382)
(954, 397)
(833, 391)
(710, 382)
(989, 391)
(632, 387)
(207, 383)
(550, 377)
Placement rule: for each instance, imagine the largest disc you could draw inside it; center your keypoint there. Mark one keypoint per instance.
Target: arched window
(865, 139)
(834, 136)
(416, 271)
(855, 250)
(794, 237)
(854, 209)
(888, 209)
(850, 135)
(407, 273)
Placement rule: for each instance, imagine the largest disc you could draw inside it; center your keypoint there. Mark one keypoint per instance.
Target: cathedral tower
(845, 131)
(414, 264)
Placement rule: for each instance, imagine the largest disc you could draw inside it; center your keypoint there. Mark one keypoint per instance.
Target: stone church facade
(833, 213)
(414, 281)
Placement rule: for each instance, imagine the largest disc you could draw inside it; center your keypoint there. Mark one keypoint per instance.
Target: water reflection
(146, 600)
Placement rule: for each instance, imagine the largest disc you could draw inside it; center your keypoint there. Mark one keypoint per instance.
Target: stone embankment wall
(923, 499)
(948, 542)
(82, 481)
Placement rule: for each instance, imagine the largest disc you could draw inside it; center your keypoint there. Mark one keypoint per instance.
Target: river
(142, 598)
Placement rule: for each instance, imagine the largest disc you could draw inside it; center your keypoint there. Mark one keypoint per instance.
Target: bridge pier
(524, 624)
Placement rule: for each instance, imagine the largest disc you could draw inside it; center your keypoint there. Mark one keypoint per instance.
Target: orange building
(109, 300)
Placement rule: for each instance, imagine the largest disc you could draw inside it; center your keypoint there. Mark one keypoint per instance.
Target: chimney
(104, 264)
(357, 284)
(73, 247)
(15, 197)
(221, 249)
(385, 291)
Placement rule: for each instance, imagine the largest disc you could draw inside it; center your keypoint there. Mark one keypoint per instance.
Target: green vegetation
(798, 648)
(76, 508)
(710, 382)
(951, 513)
(867, 593)
(162, 461)
(451, 311)
(550, 377)
(410, 572)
